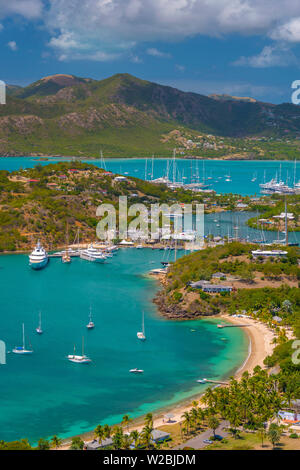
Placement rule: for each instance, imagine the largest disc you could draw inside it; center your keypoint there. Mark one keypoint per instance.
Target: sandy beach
(260, 345)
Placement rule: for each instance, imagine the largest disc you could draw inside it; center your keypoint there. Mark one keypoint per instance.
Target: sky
(237, 47)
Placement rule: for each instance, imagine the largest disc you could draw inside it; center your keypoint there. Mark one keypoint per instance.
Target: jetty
(217, 382)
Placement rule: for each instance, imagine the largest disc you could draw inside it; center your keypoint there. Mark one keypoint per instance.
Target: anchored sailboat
(39, 328)
(141, 334)
(22, 349)
(91, 324)
(83, 359)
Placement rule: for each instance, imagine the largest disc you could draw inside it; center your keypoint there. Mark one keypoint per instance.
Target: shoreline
(190, 157)
(259, 347)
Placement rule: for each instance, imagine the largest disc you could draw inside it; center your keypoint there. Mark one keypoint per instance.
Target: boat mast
(23, 336)
(286, 226)
(174, 165)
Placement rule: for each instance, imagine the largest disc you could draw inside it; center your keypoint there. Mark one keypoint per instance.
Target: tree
(43, 444)
(213, 423)
(107, 431)
(126, 420)
(149, 420)
(118, 438)
(55, 442)
(146, 436)
(77, 443)
(99, 433)
(262, 433)
(135, 437)
(274, 434)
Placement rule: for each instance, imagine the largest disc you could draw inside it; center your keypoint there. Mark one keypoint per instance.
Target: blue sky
(239, 47)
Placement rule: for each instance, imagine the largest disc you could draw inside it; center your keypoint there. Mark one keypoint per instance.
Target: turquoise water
(241, 172)
(44, 394)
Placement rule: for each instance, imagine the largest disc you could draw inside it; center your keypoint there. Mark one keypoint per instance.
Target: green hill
(68, 115)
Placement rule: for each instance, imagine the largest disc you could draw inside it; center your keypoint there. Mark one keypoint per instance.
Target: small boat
(136, 371)
(141, 334)
(91, 324)
(201, 381)
(83, 359)
(22, 349)
(39, 328)
(139, 247)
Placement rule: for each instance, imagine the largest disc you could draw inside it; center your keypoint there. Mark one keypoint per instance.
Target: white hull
(36, 265)
(22, 352)
(91, 258)
(79, 359)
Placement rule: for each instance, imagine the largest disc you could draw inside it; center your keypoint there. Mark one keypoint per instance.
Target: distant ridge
(65, 114)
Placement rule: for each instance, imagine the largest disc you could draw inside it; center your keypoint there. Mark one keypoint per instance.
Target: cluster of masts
(278, 186)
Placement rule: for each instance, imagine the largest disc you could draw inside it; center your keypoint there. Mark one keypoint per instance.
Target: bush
(293, 435)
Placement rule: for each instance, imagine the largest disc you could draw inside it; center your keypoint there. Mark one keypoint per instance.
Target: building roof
(158, 435)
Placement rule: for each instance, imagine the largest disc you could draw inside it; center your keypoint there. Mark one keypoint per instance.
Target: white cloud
(289, 31)
(12, 45)
(115, 26)
(28, 8)
(179, 67)
(271, 56)
(156, 53)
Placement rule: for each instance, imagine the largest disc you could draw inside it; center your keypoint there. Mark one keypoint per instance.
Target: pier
(217, 382)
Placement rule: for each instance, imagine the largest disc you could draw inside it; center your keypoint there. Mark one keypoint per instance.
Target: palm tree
(99, 433)
(118, 438)
(149, 420)
(262, 433)
(186, 421)
(135, 437)
(125, 421)
(55, 442)
(147, 436)
(274, 434)
(107, 431)
(126, 442)
(213, 423)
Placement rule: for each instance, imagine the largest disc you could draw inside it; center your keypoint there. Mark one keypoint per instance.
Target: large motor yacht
(38, 259)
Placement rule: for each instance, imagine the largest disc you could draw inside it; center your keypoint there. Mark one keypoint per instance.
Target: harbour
(79, 397)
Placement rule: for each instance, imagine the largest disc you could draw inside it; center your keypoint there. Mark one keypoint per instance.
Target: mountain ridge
(62, 106)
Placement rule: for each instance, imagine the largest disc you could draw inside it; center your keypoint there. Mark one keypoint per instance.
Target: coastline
(260, 339)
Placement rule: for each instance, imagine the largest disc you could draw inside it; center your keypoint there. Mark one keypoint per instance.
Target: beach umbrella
(169, 416)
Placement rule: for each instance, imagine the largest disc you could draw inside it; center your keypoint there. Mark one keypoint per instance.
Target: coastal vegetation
(262, 288)
(41, 202)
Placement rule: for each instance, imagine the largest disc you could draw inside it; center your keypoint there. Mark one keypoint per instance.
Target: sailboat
(83, 359)
(39, 328)
(22, 349)
(66, 258)
(141, 334)
(91, 324)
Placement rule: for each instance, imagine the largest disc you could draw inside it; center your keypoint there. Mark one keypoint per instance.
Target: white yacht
(141, 334)
(136, 371)
(38, 259)
(83, 359)
(22, 349)
(92, 254)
